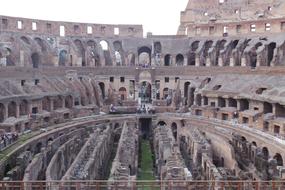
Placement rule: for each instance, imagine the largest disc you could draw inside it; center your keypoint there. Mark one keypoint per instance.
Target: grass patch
(146, 172)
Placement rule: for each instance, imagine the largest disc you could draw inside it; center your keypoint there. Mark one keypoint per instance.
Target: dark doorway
(145, 127)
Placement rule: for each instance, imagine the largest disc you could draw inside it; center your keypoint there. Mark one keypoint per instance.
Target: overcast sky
(157, 16)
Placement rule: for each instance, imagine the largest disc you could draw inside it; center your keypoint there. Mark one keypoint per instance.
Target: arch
(102, 88)
(254, 143)
(80, 51)
(9, 58)
(58, 102)
(69, 101)
(174, 130)
(279, 159)
(144, 56)
(2, 112)
(104, 45)
(167, 60)
(131, 59)
(234, 44)
(232, 102)
(165, 93)
(38, 147)
(25, 40)
(186, 89)
(199, 100)
(24, 107)
(91, 43)
(195, 45)
(123, 93)
(145, 91)
(157, 47)
(270, 53)
(62, 61)
(46, 104)
(191, 58)
(35, 60)
(265, 153)
(179, 59)
(162, 123)
(12, 109)
(41, 43)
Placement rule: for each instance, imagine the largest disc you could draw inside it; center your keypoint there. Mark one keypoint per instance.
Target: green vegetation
(146, 172)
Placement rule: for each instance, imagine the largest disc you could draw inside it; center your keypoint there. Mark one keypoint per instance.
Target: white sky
(156, 16)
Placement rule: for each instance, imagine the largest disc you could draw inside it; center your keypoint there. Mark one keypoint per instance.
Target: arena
(100, 106)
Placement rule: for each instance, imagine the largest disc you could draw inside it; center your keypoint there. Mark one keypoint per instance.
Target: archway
(62, 58)
(24, 108)
(12, 109)
(123, 93)
(102, 88)
(144, 56)
(69, 102)
(165, 93)
(58, 102)
(265, 153)
(145, 92)
(174, 130)
(2, 113)
(279, 159)
(80, 51)
(270, 53)
(46, 104)
(179, 60)
(161, 123)
(186, 91)
(167, 60)
(131, 59)
(35, 60)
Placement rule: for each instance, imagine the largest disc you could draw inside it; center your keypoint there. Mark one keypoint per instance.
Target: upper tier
(56, 28)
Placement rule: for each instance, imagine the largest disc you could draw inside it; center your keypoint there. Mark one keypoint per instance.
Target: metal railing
(142, 185)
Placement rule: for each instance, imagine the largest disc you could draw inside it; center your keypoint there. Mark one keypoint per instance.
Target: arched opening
(80, 51)
(198, 100)
(106, 51)
(69, 101)
(192, 53)
(62, 61)
(46, 104)
(265, 153)
(123, 93)
(24, 108)
(279, 159)
(93, 58)
(38, 147)
(206, 48)
(221, 102)
(145, 92)
(270, 53)
(180, 60)
(25, 40)
(2, 113)
(232, 102)
(157, 52)
(35, 60)
(131, 59)
(161, 123)
(42, 44)
(49, 140)
(222, 162)
(174, 130)
(104, 45)
(144, 56)
(244, 104)
(12, 109)
(102, 88)
(186, 92)
(165, 93)
(267, 108)
(118, 58)
(9, 58)
(167, 60)
(58, 102)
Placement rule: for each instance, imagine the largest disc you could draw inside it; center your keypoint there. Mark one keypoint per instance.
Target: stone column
(238, 105)
(17, 110)
(197, 61)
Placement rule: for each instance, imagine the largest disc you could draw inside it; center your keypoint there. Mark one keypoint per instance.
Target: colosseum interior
(99, 106)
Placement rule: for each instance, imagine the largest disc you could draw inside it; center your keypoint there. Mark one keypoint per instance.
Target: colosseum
(100, 106)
